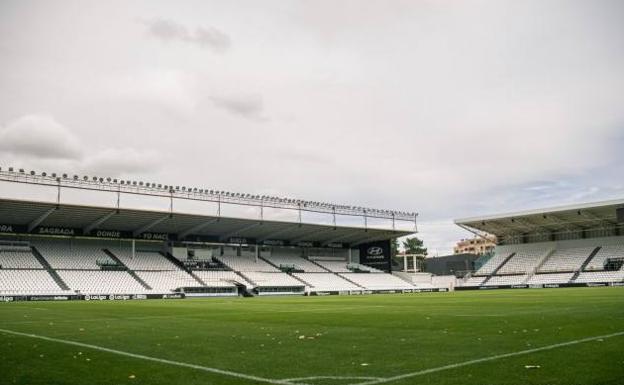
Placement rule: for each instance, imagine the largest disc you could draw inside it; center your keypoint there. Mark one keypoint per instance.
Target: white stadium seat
(18, 259)
(63, 254)
(326, 282)
(605, 252)
(101, 282)
(371, 281)
(167, 281)
(298, 262)
(543, 279)
(246, 264)
(26, 282)
(569, 259)
(143, 260)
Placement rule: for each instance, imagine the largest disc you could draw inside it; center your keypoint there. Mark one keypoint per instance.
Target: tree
(394, 247)
(414, 246)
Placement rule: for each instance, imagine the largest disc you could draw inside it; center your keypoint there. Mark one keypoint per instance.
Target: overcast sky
(451, 109)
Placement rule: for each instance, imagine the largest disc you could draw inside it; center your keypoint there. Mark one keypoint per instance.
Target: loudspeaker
(619, 213)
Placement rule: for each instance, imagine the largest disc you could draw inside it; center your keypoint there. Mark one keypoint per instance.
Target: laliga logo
(375, 251)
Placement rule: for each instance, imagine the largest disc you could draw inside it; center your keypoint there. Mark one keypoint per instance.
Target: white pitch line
(486, 359)
(331, 378)
(154, 359)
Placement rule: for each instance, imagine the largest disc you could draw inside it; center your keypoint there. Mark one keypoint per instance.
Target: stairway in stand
(57, 278)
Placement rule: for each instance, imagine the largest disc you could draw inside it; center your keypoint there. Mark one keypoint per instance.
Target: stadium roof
(578, 217)
(33, 215)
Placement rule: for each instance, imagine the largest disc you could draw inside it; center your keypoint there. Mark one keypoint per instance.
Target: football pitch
(548, 336)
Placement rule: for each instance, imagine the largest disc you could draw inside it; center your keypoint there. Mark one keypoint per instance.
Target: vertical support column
(118, 197)
(133, 248)
(171, 203)
(58, 193)
(257, 252)
(350, 255)
(405, 262)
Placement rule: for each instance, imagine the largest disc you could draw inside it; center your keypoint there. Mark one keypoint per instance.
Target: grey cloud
(205, 37)
(42, 143)
(247, 106)
(121, 161)
(449, 109)
(39, 136)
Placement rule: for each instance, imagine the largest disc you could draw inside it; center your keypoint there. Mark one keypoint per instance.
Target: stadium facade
(56, 250)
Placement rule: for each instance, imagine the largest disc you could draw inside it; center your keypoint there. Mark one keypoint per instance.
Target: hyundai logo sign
(375, 251)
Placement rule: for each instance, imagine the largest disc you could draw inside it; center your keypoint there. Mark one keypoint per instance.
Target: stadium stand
(524, 260)
(373, 281)
(73, 254)
(244, 264)
(566, 259)
(326, 282)
(494, 263)
(18, 257)
(609, 251)
(572, 245)
(264, 279)
(167, 281)
(298, 263)
(544, 279)
(221, 278)
(14, 282)
(498, 280)
(101, 282)
(143, 260)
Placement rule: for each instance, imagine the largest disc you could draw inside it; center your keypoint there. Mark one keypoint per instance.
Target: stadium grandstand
(67, 251)
(579, 245)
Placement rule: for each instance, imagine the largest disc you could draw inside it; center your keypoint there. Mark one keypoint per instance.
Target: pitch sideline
(487, 359)
(288, 381)
(154, 359)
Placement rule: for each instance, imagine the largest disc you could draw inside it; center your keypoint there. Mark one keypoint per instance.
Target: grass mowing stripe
(487, 359)
(154, 359)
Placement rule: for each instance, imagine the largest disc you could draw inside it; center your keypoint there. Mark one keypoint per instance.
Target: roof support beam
(475, 232)
(273, 234)
(37, 221)
(225, 237)
(342, 237)
(150, 225)
(196, 228)
(595, 217)
(95, 224)
(308, 237)
(560, 222)
(386, 235)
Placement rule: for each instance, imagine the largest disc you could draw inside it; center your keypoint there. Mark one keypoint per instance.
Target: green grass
(359, 336)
